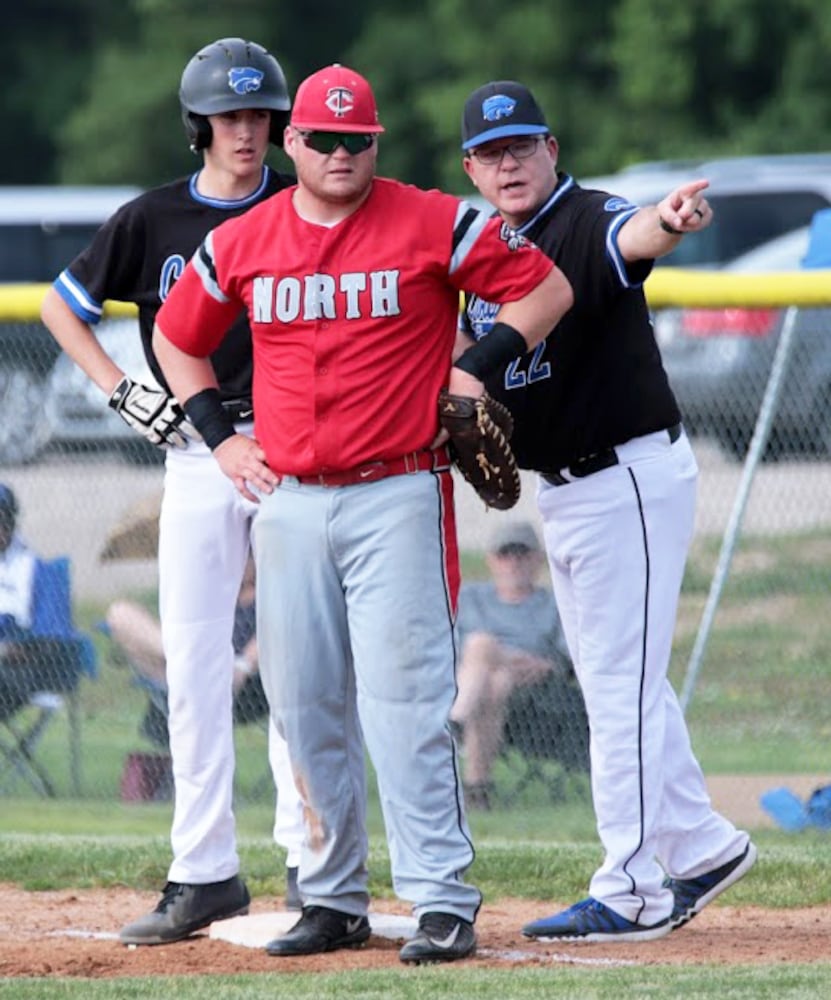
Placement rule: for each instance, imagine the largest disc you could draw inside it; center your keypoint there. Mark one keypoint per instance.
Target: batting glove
(154, 413)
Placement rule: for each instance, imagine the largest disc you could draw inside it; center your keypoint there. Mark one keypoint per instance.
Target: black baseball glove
(479, 430)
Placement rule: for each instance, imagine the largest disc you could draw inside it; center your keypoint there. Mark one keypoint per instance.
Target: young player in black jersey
(595, 416)
(234, 102)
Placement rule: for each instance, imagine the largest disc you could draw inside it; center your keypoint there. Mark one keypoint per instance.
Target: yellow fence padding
(666, 286)
(21, 303)
(671, 286)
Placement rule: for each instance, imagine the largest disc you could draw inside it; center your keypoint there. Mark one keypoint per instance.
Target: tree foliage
(92, 92)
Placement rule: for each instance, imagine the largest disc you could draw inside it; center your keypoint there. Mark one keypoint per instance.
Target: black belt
(239, 409)
(600, 460)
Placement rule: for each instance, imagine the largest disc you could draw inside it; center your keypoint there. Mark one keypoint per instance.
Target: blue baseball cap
(500, 109)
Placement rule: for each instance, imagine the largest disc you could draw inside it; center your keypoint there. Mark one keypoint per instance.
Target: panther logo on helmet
(244, 80)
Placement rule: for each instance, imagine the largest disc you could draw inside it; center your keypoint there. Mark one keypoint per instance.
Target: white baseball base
(257, 929)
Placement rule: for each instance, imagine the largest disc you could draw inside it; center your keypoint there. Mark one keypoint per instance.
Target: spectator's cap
(335, 99)
(8, 504)
(514, 536)
(500, 109)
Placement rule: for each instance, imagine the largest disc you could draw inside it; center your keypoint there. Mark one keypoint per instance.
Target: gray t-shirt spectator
(532, 625)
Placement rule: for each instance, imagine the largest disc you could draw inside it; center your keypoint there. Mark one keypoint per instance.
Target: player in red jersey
(351, 284)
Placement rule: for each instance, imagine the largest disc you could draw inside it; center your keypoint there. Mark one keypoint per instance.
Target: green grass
(760, 702)
(792, 871)
(760, 706)
(792, 982)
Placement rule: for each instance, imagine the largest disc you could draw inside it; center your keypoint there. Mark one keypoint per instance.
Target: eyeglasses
(520, 149)
(328, 142)
(513, 549)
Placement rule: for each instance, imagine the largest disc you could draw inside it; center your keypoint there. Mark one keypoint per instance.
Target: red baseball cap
(335, 99)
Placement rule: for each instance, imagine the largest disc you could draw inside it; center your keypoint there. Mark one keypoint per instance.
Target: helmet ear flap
(198, 129)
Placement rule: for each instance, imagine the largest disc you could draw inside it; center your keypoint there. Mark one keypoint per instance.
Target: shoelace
(438, 925)
(169, 894)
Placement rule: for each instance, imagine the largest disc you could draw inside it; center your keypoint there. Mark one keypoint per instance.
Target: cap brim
(503, 132)
(337, 127)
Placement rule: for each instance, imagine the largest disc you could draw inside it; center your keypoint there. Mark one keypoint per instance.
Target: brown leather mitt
(479, 430)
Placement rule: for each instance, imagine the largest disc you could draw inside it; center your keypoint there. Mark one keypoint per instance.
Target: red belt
(414, 461)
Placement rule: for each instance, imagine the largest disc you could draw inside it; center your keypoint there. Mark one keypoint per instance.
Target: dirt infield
(72, 933)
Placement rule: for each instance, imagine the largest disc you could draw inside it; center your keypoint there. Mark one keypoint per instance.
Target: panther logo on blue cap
(498, 106)
(244, 79)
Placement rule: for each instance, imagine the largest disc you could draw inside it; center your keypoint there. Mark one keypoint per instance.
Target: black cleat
(185, 909)
(441, 937)
(693, 894)
(320, 929)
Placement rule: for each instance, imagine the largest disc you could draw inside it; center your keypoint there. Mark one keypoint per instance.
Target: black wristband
(667, 228)
(206, 413)
(489, 354)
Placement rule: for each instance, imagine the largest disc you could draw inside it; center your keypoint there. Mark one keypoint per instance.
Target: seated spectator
(138, 635)
(29, 663)
(510, 637)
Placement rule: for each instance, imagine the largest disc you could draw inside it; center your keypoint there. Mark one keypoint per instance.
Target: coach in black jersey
(234, 101)
(596, 418)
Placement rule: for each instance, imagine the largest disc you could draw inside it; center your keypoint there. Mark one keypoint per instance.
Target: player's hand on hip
(243, 461)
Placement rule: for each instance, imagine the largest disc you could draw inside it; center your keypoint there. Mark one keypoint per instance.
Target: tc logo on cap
(498, 106)
(244, 79)
(340, 101)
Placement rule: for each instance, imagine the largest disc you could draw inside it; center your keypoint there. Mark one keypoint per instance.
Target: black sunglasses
(328, 142)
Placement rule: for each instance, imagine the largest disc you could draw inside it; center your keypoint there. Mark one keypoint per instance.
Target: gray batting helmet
(228, 75)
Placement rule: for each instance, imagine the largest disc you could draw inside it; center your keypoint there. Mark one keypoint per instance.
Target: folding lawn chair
(546, 739)
(58, 656)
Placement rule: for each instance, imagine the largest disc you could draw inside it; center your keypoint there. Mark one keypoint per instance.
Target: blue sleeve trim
(76, 297)
(613, 251)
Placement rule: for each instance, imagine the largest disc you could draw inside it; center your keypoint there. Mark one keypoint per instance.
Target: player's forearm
(79, 342)
(185, 374)
(193, 382)
(463, 341)
(518, 327)
(536, 314)
(655, 230)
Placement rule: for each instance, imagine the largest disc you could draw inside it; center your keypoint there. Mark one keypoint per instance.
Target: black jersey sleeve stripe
(203, 263)
(466, 230)
(462, 227)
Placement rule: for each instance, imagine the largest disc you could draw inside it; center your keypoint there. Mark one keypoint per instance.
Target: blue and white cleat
(591, 920)
(693, 894)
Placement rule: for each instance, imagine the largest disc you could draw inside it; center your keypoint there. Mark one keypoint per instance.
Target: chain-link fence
(88, 488)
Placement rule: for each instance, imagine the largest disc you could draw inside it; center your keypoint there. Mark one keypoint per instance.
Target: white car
(76, 410)
(41, 230)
